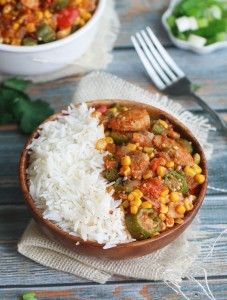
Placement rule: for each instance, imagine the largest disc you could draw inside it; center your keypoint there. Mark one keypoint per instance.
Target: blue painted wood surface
(18, 274)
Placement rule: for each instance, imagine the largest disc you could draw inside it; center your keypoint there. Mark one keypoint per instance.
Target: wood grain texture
(118, 291)
(136, 15)
(18, 270)
(126, 64)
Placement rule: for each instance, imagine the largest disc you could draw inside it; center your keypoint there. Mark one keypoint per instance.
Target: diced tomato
(156, 162)
(111, 148)
(152, 188)
(66, 17)
(109, 163)
(102, 109)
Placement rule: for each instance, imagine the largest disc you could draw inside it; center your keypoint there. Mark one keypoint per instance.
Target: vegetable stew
(33, 22)
(151, 168)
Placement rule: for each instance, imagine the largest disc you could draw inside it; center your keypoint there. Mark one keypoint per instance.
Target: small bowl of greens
(197, 25)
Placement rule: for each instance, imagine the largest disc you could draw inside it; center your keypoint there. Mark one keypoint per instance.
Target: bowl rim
(58, 43)
(37, 214)
(185, 44)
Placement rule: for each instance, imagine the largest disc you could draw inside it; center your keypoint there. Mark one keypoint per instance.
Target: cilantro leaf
(7, 97)
(16, 83)
(30, 113)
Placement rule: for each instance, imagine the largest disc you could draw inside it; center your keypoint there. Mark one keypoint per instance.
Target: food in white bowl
(197, 25)
(46, 35)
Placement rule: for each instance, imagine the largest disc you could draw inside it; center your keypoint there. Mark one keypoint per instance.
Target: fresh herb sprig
(17, 107)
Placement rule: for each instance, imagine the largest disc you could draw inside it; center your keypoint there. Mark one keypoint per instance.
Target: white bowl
(47, 58)
(184, 44)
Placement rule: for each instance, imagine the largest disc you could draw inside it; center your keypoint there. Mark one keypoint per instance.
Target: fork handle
(219, 122)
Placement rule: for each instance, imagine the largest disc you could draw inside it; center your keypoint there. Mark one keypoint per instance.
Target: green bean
(60, 4)
(29, 41)
(45, 33)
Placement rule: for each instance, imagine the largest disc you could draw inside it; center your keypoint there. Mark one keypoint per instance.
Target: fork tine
(158, 57)
(164, 53)
(147, 65)
(152, 60)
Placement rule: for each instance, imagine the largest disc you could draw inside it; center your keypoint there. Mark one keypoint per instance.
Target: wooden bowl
(127, 250)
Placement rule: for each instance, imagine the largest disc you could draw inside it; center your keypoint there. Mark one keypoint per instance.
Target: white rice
(65, 179)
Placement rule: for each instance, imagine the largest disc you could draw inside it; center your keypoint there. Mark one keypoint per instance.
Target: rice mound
(65, 179)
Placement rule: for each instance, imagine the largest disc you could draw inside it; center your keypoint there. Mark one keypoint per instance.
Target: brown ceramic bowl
(133, 249)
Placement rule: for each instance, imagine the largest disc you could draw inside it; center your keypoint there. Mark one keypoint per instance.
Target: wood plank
(136, 15)
(18, 270)
(126, 64)
(121, 291)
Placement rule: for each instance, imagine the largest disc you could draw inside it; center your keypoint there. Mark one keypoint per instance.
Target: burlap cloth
(169, 264)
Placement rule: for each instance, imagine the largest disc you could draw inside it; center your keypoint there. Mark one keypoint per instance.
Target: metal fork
(165, 73)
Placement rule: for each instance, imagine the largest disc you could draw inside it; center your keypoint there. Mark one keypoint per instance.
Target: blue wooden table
(18, 274)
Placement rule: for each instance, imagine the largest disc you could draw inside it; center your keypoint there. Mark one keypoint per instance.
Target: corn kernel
(21, 20)
(39, 15)
(126, 160)
(165, 192)
(47, 14)
(197, 169)
(136, 202)
(16, 26)
(199, 178)
(180, 209)
(131, 147)
(85, 15)
(151, 155)
(96, 114)
(113, 109)
(170, 164)
(161, 171)
(125, 204)
(146, 204)
(109, 140)
(101, 144)
(110, 189)
(197, 158)
(148, 150)
(163, 123)
(133, 209)
(131, 197)
(148, 174)
(7, 9)
(189, 171)
(164, 209)
(174, 196)
(162, 217)
(179, 221)
(125, 171)
(163, 226)
(63, 33)
(163, 200)
(137, 193)
(30, 27)
(169, 222)
(188, 205)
